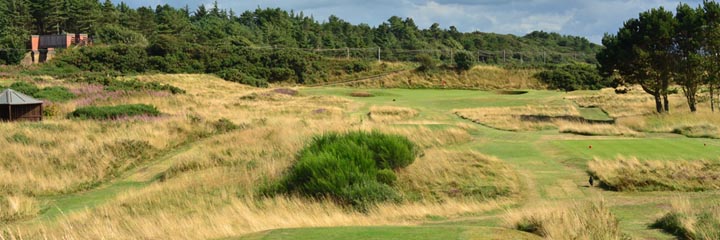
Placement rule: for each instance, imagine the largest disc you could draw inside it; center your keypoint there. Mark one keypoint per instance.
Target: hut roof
(11, 97)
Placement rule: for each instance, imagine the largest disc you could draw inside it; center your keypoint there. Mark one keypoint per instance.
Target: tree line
(660, 48)
(111, 23)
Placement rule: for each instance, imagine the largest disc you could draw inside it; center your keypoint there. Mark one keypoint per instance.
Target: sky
(586, 18)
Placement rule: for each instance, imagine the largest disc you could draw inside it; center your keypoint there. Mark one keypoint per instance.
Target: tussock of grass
(388, 113)
(631, 174)
(700, 124)
(595, 129)
(361, 94)
(691, 222)
(444, 174)
(525, 118)
(591, 220)
(15, 207)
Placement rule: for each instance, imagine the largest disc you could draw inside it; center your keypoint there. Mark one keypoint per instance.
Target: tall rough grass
(687, 221)
(595, 129)
(388, 113)
(17, 207)
(479, 77)
(589, 220)
(519, 118)
(631, 174)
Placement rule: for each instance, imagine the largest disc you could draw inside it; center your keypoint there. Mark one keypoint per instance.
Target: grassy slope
(553, 164)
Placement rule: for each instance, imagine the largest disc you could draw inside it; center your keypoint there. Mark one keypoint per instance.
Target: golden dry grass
(631, 174)
(210, 190)
(691, 221)
(588, 220)
(390, 113)
(443, 174)
(17, 207)
(518, 118)
(480, 77)
(599, 129)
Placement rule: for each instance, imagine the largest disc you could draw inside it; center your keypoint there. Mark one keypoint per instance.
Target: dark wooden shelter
(15, 106)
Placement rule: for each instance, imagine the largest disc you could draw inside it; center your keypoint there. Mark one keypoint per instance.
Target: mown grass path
(136, 178)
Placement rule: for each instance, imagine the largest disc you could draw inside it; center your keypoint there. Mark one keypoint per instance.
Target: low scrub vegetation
(591, 220)
(525, 118)
(631, 174)
(573, 77)
(388, 113)
(691, 222)
(355, 169)
(54, 93)
(114, 112)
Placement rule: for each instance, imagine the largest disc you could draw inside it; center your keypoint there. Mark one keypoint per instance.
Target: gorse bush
(114, 112)
(573, 77)
(354, 169)
(55, 93)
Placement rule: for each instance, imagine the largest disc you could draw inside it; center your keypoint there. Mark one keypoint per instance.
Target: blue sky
(590, 19)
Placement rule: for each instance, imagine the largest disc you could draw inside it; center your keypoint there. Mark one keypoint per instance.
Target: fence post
(378, 54)
(347, 51)
(504, 59)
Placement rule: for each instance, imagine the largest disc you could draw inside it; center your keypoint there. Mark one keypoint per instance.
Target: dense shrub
(114, 34)
(25, 87)
(573, 77)
(355, 168)
(114, 112)
(55, 94)
(111, 83)
(464, 61)
(427, 62)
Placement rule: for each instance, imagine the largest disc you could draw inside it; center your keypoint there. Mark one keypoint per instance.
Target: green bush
(386, 176)
(25, 87)
(55, 94)
(355, 168)
(464, 61)
(114, 34)
(573, 77)
(427, 62)
(114, 112)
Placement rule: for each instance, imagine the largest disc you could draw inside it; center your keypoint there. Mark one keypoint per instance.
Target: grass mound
(633, 175)
(388, 113)
(591, 220)
(698, 131)
(354, 169)
(361, 94)
(440, 175)
(114, 112)
(688, 222)
(595, 129)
